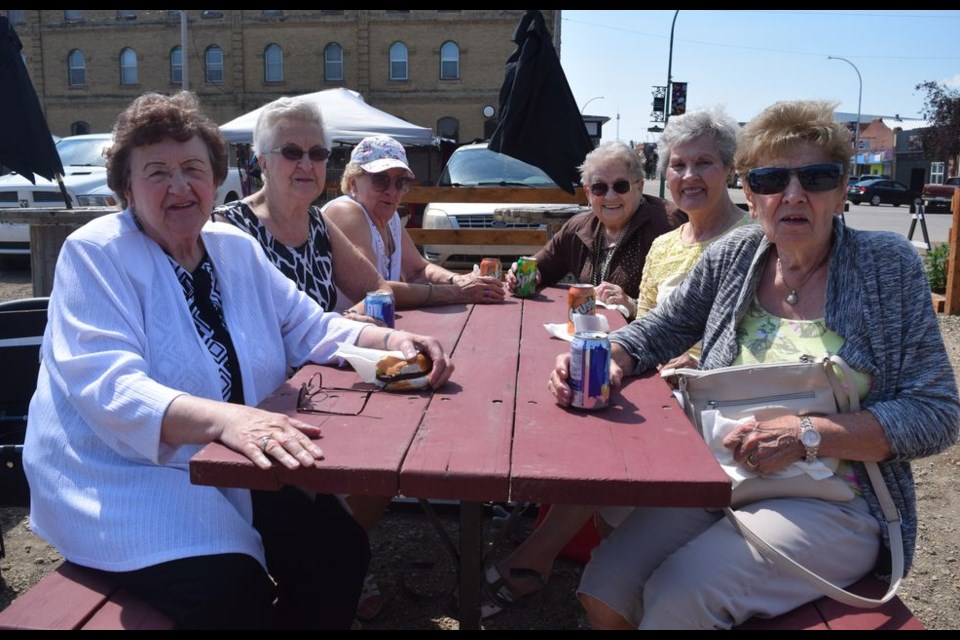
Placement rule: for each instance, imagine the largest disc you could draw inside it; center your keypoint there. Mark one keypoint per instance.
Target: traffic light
(678, 98)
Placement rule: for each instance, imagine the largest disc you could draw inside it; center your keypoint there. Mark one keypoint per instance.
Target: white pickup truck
(85, 179)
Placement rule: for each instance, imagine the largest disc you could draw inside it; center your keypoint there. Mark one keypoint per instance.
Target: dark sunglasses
(620, 186)
(313, 399)
(813, 177)
(381, 182)
(293, 153)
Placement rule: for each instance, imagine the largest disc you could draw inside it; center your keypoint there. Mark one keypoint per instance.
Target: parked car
(868, 176)
(474, 165)
(939, 196)
(878, 192)
(85, 180)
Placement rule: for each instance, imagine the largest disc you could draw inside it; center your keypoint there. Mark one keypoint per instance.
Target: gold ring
(264, 441)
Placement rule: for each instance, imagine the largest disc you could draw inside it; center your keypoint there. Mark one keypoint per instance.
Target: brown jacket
(571, 249)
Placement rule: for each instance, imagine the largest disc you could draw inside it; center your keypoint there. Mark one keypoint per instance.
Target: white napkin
(716, 427)
(363, 360)
(618, 307)
(582, 322)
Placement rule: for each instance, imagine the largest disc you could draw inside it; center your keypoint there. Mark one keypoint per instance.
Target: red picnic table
(493, 433)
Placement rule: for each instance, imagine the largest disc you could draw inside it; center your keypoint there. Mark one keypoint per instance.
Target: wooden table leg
(471, 563)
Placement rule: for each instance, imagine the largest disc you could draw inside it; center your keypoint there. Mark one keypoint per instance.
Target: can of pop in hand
(589, 370)
(526, 277)
(379, 305)
(491, 267)
(581, 298)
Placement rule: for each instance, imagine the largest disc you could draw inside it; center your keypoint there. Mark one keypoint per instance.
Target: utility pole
(666, 112)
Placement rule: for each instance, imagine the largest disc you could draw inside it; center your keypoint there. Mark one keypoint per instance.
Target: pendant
(791, 297)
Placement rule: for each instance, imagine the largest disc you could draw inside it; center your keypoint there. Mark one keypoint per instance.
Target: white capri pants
(683, 568)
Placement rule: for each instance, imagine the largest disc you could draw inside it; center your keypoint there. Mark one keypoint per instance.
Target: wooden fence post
(953, 265)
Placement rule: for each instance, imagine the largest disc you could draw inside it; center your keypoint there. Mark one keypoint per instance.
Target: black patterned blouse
(309, 265)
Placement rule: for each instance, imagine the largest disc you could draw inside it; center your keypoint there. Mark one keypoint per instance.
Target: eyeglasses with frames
(312, 398)
(293, 153)
(381, 182)
(620, 186)
(767, 181)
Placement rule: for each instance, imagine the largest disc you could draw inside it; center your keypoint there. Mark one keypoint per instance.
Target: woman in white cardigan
(164, 334)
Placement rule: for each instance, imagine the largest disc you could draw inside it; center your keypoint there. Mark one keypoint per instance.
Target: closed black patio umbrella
(539, 119)
(26, 145)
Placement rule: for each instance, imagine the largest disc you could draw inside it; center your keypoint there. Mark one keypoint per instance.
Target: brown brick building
(437, 69)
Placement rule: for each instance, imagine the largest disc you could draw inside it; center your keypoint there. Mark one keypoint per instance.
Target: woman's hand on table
(479, 289)
(263, 435)
(559, 386)
(356, 315)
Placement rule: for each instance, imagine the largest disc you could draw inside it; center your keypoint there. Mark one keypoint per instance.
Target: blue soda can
(379, 305)
(589, 370)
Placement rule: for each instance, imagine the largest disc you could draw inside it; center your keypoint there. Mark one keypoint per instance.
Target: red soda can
(581, 298)
(491, 267)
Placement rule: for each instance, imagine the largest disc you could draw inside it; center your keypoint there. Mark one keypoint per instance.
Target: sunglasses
(381, 182)
(313, 399)
(813, 177)
(293, 153)
(620, 186)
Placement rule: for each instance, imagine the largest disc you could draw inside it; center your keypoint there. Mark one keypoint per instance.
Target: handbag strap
(847, 397)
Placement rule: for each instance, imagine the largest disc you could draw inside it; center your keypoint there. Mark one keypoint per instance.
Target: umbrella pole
(63, 191)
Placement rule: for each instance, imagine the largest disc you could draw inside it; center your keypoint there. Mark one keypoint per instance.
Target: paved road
(883, 218)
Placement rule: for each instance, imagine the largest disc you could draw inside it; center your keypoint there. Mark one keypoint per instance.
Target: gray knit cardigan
(878, 300)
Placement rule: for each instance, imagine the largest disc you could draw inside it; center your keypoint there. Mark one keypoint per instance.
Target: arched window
(449, 128)
(449, 61)
(333, 62)
(273, 63)
(79, 128)
(213, 61)
(398, 61)
(176, 65)
(128, 66)
(76, 69)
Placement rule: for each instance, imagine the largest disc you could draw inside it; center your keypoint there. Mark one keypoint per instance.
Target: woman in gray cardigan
(799, 282)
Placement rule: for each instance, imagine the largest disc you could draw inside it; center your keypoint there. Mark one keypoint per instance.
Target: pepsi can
(379, 305)
(589, 370)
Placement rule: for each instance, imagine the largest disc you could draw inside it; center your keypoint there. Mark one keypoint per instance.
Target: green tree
(942, 108)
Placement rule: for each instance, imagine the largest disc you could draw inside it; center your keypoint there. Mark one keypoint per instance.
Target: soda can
(581, 298)
(379, 305)
(589, 370)
(526, 277)
(491, 267)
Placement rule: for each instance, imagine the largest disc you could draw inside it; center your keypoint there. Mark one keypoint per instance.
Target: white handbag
(807, 387)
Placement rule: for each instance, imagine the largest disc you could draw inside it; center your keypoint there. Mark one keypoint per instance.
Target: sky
(747, 60)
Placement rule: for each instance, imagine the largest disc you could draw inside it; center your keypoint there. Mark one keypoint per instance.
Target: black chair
(22, 323)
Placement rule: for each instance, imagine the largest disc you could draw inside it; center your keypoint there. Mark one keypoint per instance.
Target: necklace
(603, 256)
(792, 298)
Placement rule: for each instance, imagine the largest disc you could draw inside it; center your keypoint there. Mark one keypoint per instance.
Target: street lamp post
(584, 107)
(667, 105)
(856, 130)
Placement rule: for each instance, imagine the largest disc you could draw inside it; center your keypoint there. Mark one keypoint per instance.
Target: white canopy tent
(347, 119)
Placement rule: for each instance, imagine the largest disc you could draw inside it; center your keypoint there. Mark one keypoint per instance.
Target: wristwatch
(809, 438)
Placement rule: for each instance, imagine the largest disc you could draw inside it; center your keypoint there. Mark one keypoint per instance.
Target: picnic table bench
(74, 597)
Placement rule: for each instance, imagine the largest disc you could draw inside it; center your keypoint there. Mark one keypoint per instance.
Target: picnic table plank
(462, 450)
(627, 438)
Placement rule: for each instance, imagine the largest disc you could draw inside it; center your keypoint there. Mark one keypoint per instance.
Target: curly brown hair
(153, 118)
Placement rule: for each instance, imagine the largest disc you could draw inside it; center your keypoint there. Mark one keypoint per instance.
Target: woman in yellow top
(696, 155)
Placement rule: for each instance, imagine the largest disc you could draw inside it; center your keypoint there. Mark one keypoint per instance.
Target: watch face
(810, 438)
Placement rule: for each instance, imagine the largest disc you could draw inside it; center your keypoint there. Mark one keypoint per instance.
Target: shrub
(935, 262)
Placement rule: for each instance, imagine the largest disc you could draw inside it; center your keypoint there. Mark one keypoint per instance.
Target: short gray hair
(609, 153)
(284, 108)
(692, 125)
